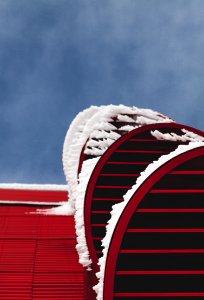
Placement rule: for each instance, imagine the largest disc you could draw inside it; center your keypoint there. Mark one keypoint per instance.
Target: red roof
(38, 259)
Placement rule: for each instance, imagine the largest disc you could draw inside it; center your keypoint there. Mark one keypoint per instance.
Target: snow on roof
(94, 125)
(100, 135)
(37, 187)
(64, 209)
(32, 187)
(73, 145)
(89, 165)
(117, 209)
(133, 116)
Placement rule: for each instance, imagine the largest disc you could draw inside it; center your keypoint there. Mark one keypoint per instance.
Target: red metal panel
(33, 195)
(38, 259)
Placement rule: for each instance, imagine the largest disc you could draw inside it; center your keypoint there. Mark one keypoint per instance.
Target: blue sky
(58, 57)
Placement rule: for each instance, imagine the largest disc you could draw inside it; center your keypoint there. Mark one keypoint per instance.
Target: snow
(105, 142)
(87, 169)
(103, 125)
(192, 135)
(73, 144)
(64, 209)
(117, 209)
(37, 187)
(186, 137)
(33, 187)
(127, 128)
(95, 151)
(93, 128)
(99, 125)
(125, 118)
(102, 134)
(144, 120)
(155, 116)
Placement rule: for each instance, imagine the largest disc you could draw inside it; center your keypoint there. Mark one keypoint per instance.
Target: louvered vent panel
(162, 251)
(118, 175)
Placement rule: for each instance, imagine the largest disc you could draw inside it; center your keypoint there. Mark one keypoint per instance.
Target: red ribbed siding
(38, 259)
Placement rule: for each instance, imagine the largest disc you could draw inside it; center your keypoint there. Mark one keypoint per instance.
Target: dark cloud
(59, 56)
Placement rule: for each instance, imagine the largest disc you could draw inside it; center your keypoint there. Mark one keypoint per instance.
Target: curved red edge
(123, 221)
(81, 159)
(97, 170)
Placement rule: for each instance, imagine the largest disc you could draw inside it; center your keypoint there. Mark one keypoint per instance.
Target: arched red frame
(104, 158)
(124, 219)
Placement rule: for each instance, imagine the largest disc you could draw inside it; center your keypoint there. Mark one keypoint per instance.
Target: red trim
(33, 195)
(82, 158)
(123, 221)
(96, 238)
(104, 160)
(187, 172)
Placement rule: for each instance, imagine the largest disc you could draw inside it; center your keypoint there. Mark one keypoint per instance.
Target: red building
(135, 214)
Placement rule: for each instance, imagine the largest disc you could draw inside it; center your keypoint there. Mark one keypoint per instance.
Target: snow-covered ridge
(133, 116)
(37, 187)
(117, 209)
(73, 145)
(94, 125)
